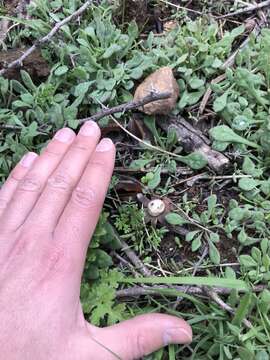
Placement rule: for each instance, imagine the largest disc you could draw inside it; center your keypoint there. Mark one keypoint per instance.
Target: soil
(35, 65)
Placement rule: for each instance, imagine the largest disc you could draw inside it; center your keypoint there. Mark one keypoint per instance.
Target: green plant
(98, 299)
(97, 258)
(95, 62)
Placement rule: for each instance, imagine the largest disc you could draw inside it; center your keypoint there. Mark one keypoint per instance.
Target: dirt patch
(34, 64)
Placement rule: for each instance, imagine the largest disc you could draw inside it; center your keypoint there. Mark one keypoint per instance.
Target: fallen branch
(193, 140)
(214, 296)
(137, 291)
(10, 127)
(153, 96)
(18, 62)
(248, 9)
(134, 259)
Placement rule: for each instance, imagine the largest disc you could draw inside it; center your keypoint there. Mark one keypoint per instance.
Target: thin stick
(134, 259)
(17, 128)
(209, 92)
(153, 96)
(150, 146)
(180, 7)
(246, 10)
(47, 38)
(214, 296)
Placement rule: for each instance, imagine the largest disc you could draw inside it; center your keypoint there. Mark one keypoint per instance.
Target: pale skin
(49, 207)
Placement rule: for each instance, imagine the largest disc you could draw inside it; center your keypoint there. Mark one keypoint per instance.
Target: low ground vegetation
(215, 225)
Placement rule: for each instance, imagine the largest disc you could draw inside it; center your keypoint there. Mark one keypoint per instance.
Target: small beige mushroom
(156, 207)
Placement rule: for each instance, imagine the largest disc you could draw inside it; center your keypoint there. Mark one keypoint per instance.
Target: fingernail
(177, 336)
(104, 145)
(89, 128)
(28, 159)
(64, 135)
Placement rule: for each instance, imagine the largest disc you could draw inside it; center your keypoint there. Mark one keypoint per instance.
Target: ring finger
(16, 175)
(31, 186)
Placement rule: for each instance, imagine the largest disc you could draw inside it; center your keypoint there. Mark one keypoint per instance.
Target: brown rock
(162, 80)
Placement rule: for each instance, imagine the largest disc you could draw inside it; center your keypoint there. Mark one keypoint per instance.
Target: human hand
(49, 207)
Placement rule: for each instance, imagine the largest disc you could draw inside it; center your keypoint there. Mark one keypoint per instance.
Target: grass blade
(191, 280)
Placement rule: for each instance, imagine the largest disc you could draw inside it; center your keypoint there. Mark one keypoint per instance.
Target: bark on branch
(153, 96)
(193, 140)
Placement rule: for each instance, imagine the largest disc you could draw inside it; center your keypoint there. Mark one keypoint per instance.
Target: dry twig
(152, 97)
(18, 62)
(179, 7)
(134, 259)
(248, 9)
(214, 296)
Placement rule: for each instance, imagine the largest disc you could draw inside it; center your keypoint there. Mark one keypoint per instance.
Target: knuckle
(17, 174)
(99, 165)
(52, 151)
(80, 145)
(54, 260)
(60, 181)
(86, 197)
(140, 345)
(30, 183)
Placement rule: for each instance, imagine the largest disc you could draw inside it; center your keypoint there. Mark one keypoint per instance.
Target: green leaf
(262, 355)
(26, 78)
(221, 102)
(153, 183)
(175, 219)
(242, 310)
(61, 70)
(211, 204)
(190, 235)
(214, 253)
(240, 123)
(214, 237)
(195, 160)
(196, 243)
(237, 31)
(82, 88)
(150, 122)
(114, 48)
(220, 146)
(248, 166)
(245, 354)
(248, 184)
(247, 261)
(190, 280)
(242, 236)
(225, 134)
(139, 164)
(196, 83)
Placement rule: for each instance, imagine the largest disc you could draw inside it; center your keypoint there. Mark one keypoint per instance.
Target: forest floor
(185, 225)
